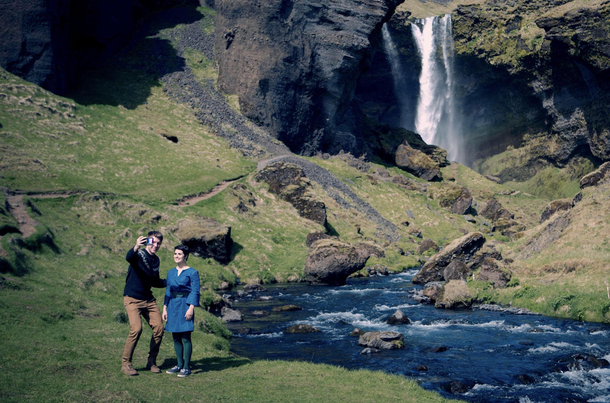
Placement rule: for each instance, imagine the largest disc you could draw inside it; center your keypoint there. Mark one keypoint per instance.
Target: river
(497, 356)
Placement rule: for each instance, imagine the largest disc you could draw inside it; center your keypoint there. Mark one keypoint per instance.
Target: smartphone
(149, 241)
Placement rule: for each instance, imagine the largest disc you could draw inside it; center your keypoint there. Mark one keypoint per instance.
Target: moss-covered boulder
(206, 238)
(291, 184)
(454, 294)
(382, 340)
(331, 262)
(417, 163)
(463, 249)
(456, 198)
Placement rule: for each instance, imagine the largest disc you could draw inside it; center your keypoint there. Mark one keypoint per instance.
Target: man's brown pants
(150, 311)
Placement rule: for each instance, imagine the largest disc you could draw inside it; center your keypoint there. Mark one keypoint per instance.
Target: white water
(435, 117)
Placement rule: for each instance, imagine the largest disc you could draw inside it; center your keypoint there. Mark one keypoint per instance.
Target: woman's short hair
(185, 249)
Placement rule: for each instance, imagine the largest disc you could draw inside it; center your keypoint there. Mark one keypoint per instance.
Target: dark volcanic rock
(463, 248)
(456, 270)
(555, 206)
(206, 238)
(492, 272)
(594, 178)
(398, 318)
(417, 163)
(294, 65)
(382, 340)
(47, 42)
(301, 329)
(290, 183)
(426, 245)
(493, 210)
(331, 262)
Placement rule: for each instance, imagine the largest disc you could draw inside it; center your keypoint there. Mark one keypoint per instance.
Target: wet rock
(398, 318)
(417, 163)
(454, 387)
(463, 249)
(291, 184)
(332, 262)
(286, 308)
(440, 349)
(301, 329)
(259, 313)
(369, 350)
(231, 315)
(382, 340)
(421, 368)
(493, 273)
(526, 379)
(206, 238)
(580, 362)
(555, 206)
(431, 292)
(378, 270)
(254, 288)
(426, 245)
(456, 270)
(357, 332)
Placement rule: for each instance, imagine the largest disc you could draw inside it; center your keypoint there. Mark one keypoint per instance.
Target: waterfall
(435, 117)
(400, 86)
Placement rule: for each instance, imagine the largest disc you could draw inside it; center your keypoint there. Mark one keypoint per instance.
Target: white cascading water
(397, 71)
(435, 115)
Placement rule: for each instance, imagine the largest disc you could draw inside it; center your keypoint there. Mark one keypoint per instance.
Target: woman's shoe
(184, 372)
(173, 370)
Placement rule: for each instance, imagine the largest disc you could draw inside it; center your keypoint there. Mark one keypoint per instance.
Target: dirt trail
(190, 200)
(16, 207)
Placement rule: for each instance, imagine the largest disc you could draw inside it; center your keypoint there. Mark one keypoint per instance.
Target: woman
(181, 297)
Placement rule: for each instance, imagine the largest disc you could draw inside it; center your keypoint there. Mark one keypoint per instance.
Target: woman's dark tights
(183, 348)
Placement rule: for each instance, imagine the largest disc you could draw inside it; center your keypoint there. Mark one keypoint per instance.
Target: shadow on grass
(210, 364)
(128, 78)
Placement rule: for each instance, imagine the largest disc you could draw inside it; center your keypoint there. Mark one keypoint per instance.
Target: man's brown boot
(153, 367)
(128, 369)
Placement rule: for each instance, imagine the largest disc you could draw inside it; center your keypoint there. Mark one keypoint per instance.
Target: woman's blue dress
(181, 291)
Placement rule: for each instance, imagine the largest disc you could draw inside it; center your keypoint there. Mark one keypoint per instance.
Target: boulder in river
(463, 248)
(301, 329)
(231, 315)
(398, 318)
(454, 294)
(382, 340)
(331, 262)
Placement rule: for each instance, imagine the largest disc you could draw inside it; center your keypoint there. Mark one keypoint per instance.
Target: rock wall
(294, 65)
(47, 41)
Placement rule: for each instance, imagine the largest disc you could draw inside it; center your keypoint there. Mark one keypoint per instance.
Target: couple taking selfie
(181, 297)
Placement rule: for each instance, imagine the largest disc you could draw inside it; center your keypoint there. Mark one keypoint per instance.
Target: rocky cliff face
(46, 42)
(294, 65)
(560, 56)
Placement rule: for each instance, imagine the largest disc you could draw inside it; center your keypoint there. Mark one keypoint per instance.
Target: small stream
(498, 356)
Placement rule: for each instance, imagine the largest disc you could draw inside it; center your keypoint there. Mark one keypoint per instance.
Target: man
(143, 273)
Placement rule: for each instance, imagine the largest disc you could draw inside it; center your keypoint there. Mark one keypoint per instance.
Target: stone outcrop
(456, 270)
(382, 340)
(463, 249)
(206, 238)
(425, 245)
(46, 43)
(454, 294)
(494, 274)
(455, 198)
(417, 163)
(331, 262)
(294, 65)
(596, 177)
(291, 184)
(555, 206)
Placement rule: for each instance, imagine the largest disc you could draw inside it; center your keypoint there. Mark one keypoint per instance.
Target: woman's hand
(190, 313)
(164, 316)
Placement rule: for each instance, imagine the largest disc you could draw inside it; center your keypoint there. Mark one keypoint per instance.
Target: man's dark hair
(156, 234)
(185, 249)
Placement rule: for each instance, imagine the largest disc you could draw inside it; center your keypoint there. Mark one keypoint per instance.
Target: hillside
(128, 150)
